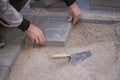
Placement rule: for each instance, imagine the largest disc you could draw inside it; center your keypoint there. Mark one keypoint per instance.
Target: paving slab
(109, 3)
(83, 5)
(46, 4)
(4, 72)
(55, 29)
(30, 11)
(104, 8)
(105, 5)
(35, 7)
(14, 39)
(98, 17)
(118, 32)
(27, 10)
(39, 3)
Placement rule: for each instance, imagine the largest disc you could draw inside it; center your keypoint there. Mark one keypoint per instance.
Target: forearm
(9, 17)
(69, 2)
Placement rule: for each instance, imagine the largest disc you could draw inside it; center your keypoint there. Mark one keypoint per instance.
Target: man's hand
(35, 34)
(74, 13)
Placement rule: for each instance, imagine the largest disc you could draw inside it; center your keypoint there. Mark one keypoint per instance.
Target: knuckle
(77, 15)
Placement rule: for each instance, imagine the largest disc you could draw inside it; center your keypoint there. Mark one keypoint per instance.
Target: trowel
(74, 58)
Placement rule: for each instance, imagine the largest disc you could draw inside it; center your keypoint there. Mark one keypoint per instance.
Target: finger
(37, 40)
(33, 40)
(76, 19)
(43, 38)
(40, 38)
(70, 16)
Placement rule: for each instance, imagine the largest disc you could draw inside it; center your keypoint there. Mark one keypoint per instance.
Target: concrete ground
(35, 63)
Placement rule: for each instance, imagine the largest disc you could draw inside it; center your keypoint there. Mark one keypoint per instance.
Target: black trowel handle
(60, 56)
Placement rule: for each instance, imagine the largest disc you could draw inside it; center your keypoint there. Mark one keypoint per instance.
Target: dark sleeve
(24, 25)
(69, 2)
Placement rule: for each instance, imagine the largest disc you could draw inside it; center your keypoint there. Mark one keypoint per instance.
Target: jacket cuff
(24, 25)
(69, 2)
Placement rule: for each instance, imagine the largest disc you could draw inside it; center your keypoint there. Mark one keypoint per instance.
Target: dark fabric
(4, 21)
(18, 4)
(24, 25)
(2, 43)
(69, 2)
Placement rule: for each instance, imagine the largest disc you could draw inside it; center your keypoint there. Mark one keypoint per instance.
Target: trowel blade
(79, 57)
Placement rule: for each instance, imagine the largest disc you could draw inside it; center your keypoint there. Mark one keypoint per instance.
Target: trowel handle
(60, 56)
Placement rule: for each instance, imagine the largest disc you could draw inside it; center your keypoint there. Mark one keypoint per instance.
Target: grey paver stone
(114, 3)
(55, 29)
(57, 7)
(14, 39)
(4, 71)
(30, 11)
(118, 32)
(104, 8)
(26, 10)
(39, 3)
(100, 17)
(105, 5)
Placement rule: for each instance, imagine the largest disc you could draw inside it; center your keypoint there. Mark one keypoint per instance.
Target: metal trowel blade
(79, 57)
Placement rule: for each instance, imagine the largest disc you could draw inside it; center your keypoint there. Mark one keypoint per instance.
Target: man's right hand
(36, 35)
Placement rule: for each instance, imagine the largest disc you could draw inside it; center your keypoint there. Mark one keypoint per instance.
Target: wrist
(24, 25)
(69, 2)
(72, 5)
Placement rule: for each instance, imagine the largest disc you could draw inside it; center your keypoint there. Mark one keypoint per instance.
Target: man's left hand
(74, 13)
